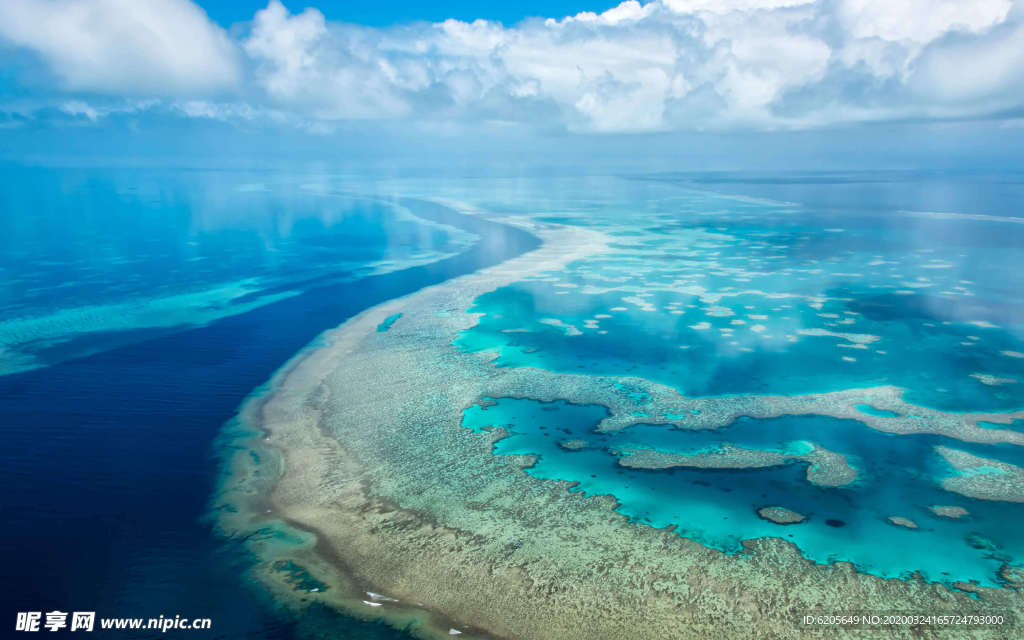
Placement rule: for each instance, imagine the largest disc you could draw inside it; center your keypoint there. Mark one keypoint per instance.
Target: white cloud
(628, 11)
(659, 65)
(79, 108)
(919, 21)
(965, 71)
(302, 64)
(729, 6)
(154, 47)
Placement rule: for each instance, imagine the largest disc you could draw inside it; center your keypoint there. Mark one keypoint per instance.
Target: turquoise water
(898, 476)
(139, 307)
(717, 295)
(108, 258)
(713, 295)
(390, 320)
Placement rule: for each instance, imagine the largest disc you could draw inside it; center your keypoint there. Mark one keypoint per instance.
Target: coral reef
(781, 515)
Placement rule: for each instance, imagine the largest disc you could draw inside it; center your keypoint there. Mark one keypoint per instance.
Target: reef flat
(949, 511)
(668, 406)
(781, 515)
(982, 478)
(901, 521)
(355, 467)
(826, 468)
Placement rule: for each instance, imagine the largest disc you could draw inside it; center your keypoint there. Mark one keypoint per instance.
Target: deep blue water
(92, 259)
(107, 465)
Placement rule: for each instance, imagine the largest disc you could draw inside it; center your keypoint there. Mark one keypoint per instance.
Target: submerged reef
(949, 511)
(419, 511)
(901, 521)
(575, 444)
(723, 457)
(827, 468)
(982, 478)
(781, 515)
(666, 406)
(991, 380)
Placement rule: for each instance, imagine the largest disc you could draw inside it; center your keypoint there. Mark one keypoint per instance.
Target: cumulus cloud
(660, 65)
(667, 64)
(152, 47)
(919, 21)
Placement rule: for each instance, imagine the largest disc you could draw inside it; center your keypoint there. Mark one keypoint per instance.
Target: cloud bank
(667, 65)
(124, 47)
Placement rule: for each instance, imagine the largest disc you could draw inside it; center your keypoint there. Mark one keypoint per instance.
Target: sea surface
(139, 307)
(129, 342)
(732, 293)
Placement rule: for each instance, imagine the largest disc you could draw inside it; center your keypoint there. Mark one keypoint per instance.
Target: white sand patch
(377, 597)
(984, 324)
(570, 330)
(858, 338)
(991, 380)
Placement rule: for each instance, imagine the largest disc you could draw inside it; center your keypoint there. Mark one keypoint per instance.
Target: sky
(384, 13)
(674, 69)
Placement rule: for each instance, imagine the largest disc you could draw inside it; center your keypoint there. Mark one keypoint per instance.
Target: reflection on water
(720, 295)
(93, 259)
(107, 457)
(716, 295)
(147, 304)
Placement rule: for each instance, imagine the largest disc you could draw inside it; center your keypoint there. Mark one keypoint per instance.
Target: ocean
(140, 307)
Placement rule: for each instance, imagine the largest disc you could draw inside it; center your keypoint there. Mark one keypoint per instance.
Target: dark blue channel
(107, 466)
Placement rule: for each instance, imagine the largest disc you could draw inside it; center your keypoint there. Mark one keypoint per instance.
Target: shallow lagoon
(765, 298)
(136, 418)
(716, 295)
(898, 476)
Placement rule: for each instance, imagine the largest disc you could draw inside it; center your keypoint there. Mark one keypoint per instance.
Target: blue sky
(389, 12)
(361, 72)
